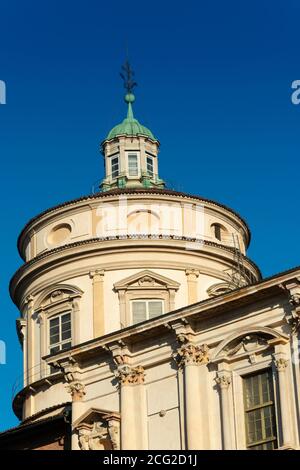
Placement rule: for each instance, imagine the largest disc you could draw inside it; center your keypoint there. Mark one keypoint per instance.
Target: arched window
(57, 311)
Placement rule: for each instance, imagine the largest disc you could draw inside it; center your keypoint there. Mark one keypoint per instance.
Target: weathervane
(127, 75)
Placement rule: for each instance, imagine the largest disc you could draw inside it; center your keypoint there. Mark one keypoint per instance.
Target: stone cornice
(156, 242)
(129, 192)
(199, 311)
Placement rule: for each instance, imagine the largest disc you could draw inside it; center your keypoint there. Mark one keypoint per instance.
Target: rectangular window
(150, 169)
(114, 167)
(259, 406)
(145, 310)
(60, 332)
(132, 164)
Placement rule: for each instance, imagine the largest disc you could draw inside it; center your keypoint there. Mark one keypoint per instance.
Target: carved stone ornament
(98, 429)
(281, 364)
(248, 344)
(147, 281)
(97, 437)
(294, 319)
(191, 354)
(77, 390)
(56, 293)
(74, 385)
(223, 380)
(130, 375)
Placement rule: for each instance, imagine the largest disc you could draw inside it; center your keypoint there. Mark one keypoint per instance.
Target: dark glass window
(261, 433)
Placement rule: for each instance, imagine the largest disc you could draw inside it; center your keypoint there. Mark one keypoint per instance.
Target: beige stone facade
(175, 379)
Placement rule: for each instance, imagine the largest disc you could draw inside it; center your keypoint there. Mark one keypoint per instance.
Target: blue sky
(214, 86)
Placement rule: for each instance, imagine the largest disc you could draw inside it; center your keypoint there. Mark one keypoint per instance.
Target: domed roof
(130, 125)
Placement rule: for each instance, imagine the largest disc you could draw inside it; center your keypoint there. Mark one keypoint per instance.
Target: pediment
(98, 429)
(93, 415)
(247, 342)
(146, 280)
(57, 294)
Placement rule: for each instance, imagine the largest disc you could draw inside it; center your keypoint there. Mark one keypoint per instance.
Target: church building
(143, 323)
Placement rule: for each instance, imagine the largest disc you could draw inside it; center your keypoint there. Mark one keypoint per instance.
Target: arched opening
(219, 231)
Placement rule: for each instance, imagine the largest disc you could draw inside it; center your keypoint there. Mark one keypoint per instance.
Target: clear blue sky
(214, 86)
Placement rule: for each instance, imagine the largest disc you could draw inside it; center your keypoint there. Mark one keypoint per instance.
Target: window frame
(61, 341)
(146, 300)
(137, 155)
(250, 446)
(238, 398)
(152, 163)
(114, 157)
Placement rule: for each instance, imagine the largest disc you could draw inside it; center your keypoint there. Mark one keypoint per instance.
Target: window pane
(54, 350)
(66, 345)
(155, 308)
(54, 322)
(132, 164)
(66, 318)
(138, 311)
(54, 339)
(66, 326)
(54, 330)
(66, 335)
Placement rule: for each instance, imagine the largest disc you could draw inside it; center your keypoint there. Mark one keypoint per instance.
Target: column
(98, 303)
(192, 282)
(77, 390)
(223, 380)
(190, 357)
(133, 421)
(281, 366)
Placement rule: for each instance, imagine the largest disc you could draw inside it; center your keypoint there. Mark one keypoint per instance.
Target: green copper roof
(130, 125)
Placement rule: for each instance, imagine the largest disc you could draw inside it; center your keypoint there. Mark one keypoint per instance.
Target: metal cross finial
(127, 75)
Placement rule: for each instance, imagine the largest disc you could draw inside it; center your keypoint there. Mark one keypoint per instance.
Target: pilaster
(98, 302)
(192, 283)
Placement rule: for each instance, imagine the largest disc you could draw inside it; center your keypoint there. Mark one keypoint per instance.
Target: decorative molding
(56, 294)
(191, 354)
(281, 364)
(224, 287)
(128, 375)
(247, 342)
(146, 279)
(72, 373)
(223, 379)
(292, 288)
(77, 390)
(192, 274)
(98, 430)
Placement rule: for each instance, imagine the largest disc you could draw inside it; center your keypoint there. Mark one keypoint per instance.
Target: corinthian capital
(191, 354)
(281, 364)
(223, 380)
(130, 375)
(77, 390)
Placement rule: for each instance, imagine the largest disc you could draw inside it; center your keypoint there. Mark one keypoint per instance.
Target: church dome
(130, 125)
